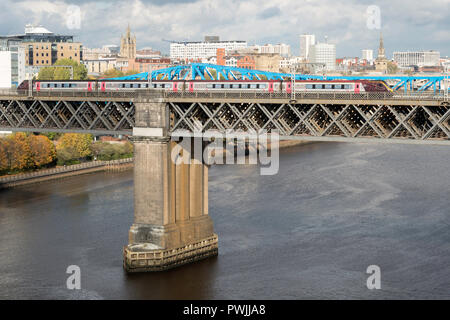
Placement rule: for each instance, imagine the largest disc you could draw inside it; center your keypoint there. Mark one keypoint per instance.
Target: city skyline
(345, 23)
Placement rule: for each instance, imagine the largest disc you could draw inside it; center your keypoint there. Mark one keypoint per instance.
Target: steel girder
(97, 117)
(295, 120)
(345, 122)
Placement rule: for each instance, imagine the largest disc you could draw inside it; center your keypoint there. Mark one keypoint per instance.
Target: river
(309, 232)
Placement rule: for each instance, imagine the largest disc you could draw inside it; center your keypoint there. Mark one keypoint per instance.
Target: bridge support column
(171, 222)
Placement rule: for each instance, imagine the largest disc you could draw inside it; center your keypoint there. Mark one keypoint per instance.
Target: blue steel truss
(205, 71)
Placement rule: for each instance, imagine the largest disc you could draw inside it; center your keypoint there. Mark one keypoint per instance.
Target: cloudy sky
(406, 24)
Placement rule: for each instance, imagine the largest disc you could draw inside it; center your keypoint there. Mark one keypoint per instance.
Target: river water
(309, 232)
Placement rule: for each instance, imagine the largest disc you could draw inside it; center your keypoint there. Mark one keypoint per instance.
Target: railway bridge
(171, 221)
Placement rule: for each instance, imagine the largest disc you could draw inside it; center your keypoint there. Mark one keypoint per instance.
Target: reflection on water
(309, 232)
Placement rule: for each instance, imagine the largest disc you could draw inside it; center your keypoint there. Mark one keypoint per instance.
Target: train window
(163, 86)
(240, 86)
(323, 86)
(333, 86)
(213, 86)
(342, 86)
(123, 85)
(131, 85)
(309, 86)
(70, 85)
(313, 86)
(154, 86)
(48, 85)
(139, 85)
(222, 86)
(63, 85)
(55, 85)
(257, 86)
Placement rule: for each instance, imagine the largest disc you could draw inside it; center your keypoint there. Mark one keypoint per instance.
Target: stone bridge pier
(171, 222)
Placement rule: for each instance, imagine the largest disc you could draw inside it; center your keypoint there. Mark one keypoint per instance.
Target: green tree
(131, 72)
(113, 73)
(74, 146)
(63, 73)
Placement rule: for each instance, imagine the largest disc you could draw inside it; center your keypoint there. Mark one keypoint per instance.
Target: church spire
(381, 53)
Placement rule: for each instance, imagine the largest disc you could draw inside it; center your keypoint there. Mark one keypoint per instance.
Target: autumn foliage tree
(42, 150)
(4, 164)
(19, 152)
(73, 147)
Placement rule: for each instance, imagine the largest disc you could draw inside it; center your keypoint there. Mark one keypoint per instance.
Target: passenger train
(271, 86)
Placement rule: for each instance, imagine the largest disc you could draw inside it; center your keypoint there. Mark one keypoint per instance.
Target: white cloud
(413, 24)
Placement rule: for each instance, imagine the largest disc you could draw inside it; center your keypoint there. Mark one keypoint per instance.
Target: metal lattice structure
(97, 117)
(322, 117)
(204, 71)
(319, 121)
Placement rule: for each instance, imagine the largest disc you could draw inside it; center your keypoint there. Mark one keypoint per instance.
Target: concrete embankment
(64, 172)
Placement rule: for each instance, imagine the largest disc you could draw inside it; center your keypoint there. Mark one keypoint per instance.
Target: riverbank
(64, 172)
(90, 167)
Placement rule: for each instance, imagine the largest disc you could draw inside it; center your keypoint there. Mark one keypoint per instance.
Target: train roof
(216, 81)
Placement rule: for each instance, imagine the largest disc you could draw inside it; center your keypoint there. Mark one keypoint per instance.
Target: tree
(19, 153)
(113, 73)
(74, 146)
(4, 164)
(60, 73)
(42, 150)
(131, 72)
(52, 135)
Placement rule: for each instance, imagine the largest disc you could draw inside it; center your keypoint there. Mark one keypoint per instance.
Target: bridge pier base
(171, 222)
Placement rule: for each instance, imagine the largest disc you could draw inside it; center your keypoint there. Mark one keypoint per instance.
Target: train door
(288, 87)
(357, 88)
(103, 86)
(270, 87)
(175, 86)
(38, 86)
(191, 87)
(89, 86)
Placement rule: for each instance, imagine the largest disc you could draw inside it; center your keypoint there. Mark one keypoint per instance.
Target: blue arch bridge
(204, 71)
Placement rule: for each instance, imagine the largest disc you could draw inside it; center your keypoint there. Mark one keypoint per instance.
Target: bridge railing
(131, 94)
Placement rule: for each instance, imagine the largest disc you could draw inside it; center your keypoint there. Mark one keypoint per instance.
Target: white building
(282, 49)
(417, 58)
(306, 41)
(100, 65)
(196, 51)
(323, 53)
(12, 67)
(367, 54)
(287, 63)
(5, 69)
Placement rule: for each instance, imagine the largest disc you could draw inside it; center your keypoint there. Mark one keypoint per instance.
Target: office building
(306, 41)
(197, 51)
(323, 53)
(417, 58)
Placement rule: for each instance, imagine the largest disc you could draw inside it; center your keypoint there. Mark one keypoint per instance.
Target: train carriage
(271, 86)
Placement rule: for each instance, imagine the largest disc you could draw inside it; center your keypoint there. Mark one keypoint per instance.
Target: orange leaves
(19, 152)
(42, 150)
